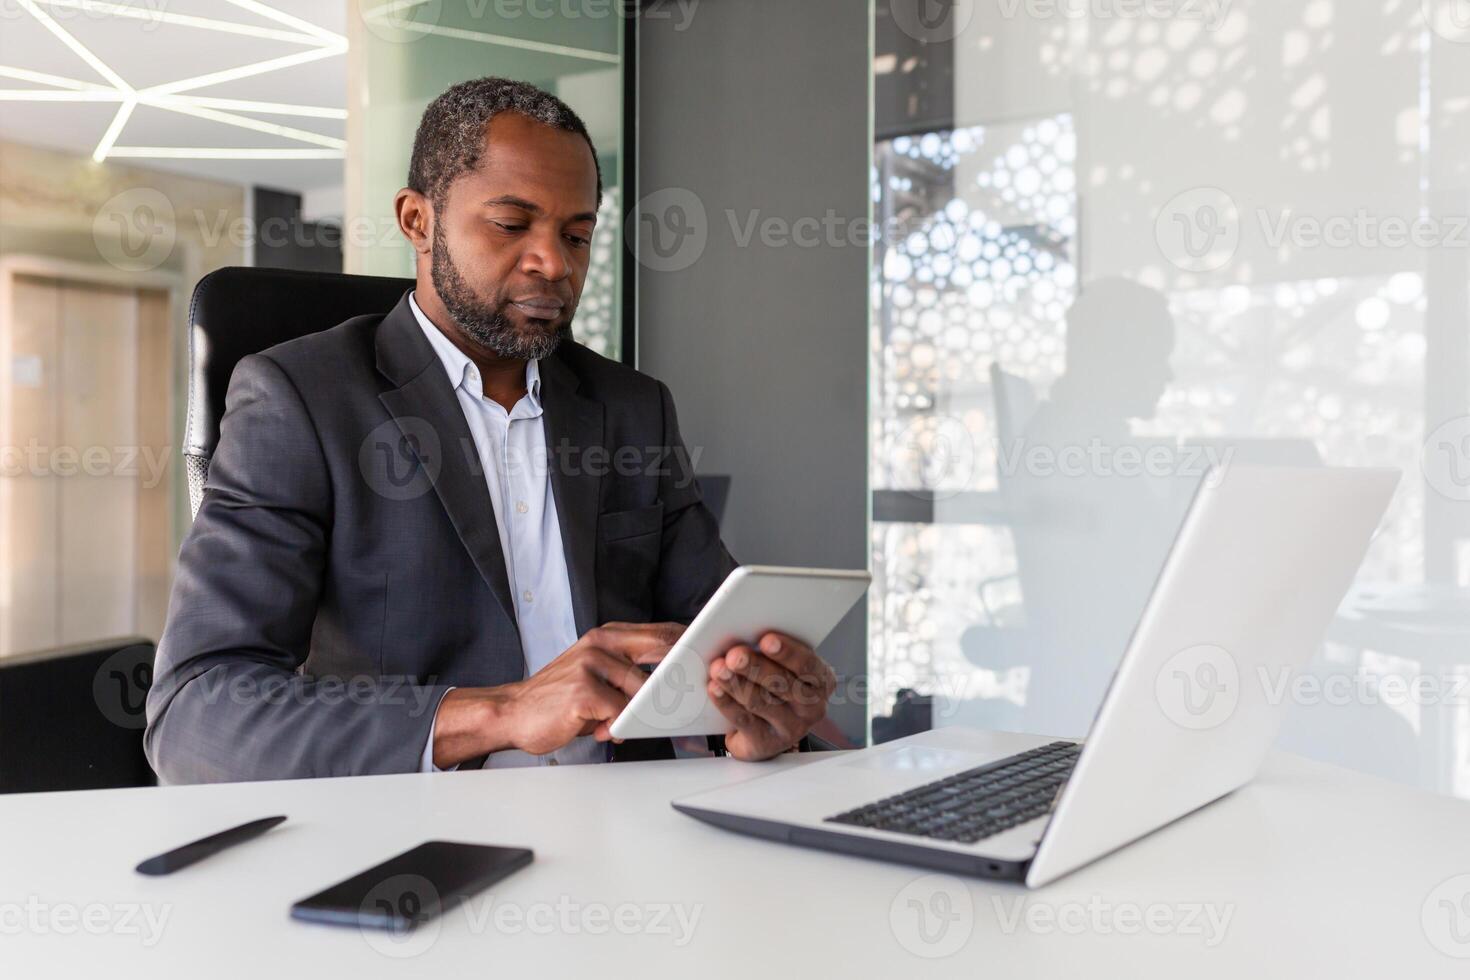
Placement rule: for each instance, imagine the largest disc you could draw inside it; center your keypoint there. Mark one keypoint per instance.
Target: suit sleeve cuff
(426, 761)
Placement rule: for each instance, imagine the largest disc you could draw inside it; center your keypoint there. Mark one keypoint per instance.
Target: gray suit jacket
(344, 569)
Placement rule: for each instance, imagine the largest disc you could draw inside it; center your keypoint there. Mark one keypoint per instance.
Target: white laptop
(1261, 562)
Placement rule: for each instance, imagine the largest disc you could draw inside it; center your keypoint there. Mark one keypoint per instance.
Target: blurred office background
(882, 252)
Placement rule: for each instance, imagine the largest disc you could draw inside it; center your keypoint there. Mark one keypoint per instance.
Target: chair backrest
(1015, 403)
(72, 717)
(238, 311)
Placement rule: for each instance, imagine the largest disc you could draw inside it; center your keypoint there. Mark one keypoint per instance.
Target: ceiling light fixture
(170, 96)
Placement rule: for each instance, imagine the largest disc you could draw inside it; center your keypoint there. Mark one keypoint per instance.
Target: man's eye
(579, 241)
(508, 227)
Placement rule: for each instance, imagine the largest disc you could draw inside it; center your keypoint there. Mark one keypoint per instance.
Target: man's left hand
(772, 693)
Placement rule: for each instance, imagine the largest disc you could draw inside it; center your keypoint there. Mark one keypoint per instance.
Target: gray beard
(488, 326)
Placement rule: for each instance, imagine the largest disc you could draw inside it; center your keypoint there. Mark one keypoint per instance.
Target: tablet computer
(803, 603)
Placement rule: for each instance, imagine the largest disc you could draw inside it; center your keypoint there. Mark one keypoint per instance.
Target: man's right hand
(578, 693)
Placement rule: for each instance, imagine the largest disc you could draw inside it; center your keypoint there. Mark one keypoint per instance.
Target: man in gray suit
(449, 535)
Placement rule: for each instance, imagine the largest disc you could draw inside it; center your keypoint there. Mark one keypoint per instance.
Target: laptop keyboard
(977, 803)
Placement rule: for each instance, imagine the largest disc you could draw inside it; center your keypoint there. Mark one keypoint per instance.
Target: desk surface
(1310, 871)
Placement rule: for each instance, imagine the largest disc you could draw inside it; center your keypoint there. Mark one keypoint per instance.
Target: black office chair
(72, 717)
(236, 312)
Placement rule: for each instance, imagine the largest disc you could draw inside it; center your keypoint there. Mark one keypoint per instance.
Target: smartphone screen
(405, 891)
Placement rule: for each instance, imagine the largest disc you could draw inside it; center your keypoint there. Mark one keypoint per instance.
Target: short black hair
(451, 134)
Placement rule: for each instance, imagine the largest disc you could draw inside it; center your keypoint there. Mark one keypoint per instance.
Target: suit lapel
(573, 425)
(424, 400)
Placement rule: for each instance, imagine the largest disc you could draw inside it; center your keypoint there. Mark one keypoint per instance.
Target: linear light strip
(61, 95)
(281, 17)
(26, 75)
(101, 94)
(185, 20)
(118, 122)
(244, 71)
(223, 153)
(168, 95)
(78, 47)
(250, 105)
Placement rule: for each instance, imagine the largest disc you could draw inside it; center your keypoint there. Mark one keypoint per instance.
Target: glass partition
(405, 52)
(1186, 233)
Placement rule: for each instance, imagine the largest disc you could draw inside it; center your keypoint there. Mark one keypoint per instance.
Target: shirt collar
(461, 369)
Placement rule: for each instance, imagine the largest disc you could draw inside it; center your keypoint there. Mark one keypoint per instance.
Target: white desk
(1323, 873)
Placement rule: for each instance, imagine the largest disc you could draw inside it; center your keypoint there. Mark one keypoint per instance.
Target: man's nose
(546, 257)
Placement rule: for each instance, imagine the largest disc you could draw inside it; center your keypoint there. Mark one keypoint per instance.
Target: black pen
(182, 857)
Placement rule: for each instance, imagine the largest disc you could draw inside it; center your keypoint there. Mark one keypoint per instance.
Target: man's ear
(415, 214)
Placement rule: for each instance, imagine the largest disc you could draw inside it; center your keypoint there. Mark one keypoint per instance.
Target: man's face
(512, 238)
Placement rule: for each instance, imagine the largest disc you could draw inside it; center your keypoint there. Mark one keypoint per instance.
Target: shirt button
(521, 507)
(528, 595)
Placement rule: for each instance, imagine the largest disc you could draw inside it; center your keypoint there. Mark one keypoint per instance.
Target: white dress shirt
(512, 454)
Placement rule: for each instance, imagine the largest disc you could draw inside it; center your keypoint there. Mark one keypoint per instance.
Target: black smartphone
(405, 891)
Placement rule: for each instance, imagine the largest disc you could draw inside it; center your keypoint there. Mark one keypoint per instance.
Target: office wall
(755, 112)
